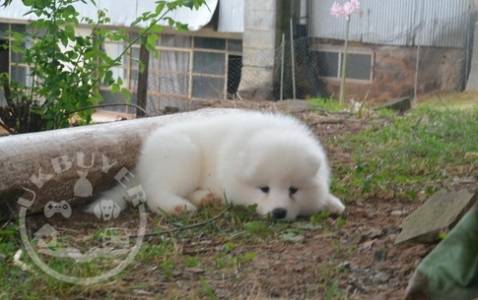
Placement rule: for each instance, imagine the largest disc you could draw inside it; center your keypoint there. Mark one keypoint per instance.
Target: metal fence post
(292, 56)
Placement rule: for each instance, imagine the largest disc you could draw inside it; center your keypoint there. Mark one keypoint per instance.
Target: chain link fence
(191, 71)
(398, 66)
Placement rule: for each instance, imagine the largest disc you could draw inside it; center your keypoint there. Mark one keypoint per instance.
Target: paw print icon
(106, 210)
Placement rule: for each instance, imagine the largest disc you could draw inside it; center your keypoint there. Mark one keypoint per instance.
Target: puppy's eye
(293, 190)
(264, 189)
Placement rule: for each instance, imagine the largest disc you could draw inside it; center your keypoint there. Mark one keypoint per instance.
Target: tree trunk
(70, 164)
(142, 90)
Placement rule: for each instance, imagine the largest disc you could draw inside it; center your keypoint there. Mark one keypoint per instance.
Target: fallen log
(72, 164)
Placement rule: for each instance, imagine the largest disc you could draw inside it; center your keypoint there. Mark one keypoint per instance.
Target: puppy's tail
(115, 194)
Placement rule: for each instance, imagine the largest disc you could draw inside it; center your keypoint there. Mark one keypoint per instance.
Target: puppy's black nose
(279, 213)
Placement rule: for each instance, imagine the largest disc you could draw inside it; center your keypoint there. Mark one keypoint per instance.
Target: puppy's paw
(334, 205)
(184, 208)
(203, 198)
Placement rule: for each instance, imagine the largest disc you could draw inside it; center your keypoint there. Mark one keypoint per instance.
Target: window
(328, 63)
(209, 75)
(176, 41)
(127, 72)
(193, 68)
(209, 63)
(114, 50)
(169, 74)
(131, 68)
(209, 43)
(208, 87)
(185, 68)
(13, 62)
(359, 64)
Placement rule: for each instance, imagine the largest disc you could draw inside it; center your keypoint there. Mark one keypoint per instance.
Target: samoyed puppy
(246, 158)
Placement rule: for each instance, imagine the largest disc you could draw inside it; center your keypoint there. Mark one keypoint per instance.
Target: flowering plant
(345, 10)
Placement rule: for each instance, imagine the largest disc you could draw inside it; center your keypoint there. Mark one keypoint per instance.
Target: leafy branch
(67, 69)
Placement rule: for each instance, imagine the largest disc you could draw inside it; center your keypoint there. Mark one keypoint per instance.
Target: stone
(439, 213)
(398, 213)
(380, 255)
(293, 106)
(381, 277)
(344, 266)
(373, 233)
(195, 270)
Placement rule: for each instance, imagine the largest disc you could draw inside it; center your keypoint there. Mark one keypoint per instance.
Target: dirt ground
(358, 260)
(370, 265)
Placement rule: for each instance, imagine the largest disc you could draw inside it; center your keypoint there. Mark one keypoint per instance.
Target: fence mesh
(188, 71)
(376, 72)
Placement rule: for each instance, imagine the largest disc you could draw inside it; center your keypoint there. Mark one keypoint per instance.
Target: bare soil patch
(354, 260)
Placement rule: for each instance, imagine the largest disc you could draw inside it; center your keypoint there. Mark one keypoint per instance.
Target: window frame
(191, 73)
(351, 50)
(11, 64)
(129, 67)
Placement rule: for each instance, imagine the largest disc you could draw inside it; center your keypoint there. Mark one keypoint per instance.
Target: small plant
(167, 267)
(406, 156)
(327, 104)
(345, 10)
(67, 69)
(320, 217)
(207, 291)
(257, 228)
(192, 262)
(246, 257)
(442, 235)
(229, 247)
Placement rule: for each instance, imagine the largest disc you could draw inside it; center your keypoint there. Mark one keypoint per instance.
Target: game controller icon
(52, 208)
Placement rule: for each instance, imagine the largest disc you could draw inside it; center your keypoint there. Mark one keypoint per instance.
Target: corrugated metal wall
(438, 23)
(231, 16)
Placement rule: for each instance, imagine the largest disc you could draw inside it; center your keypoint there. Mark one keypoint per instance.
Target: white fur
(232, 156)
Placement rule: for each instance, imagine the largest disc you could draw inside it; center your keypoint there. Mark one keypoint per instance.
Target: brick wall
(394, 69)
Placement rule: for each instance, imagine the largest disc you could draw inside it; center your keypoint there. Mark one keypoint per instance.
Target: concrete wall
(259, 49)
(394, 71)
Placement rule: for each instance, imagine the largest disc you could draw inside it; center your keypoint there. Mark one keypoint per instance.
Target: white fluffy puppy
(247, 158)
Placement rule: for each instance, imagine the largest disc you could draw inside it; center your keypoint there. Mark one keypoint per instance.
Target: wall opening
(234, 74)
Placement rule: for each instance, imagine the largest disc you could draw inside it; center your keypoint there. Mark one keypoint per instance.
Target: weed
(167, 267)
(409, 154)
(327, 104)
(192, 262)
(207, 291)
(257, 228)
(319, 218)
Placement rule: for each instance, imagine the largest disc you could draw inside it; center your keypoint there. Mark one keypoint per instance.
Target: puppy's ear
(246, 165)
(312, 165)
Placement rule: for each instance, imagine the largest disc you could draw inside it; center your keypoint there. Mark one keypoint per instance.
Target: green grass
(237, 232)
(327, 104)
(410, 155)
(396, 157)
